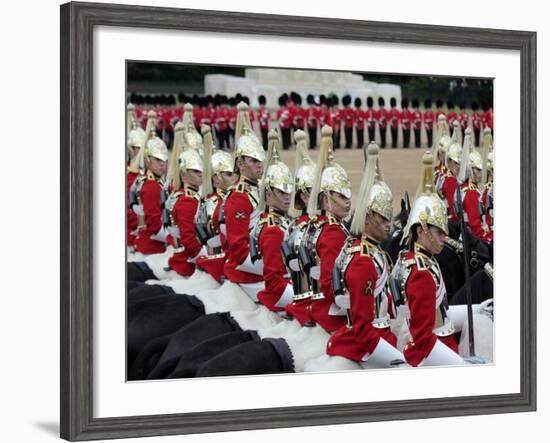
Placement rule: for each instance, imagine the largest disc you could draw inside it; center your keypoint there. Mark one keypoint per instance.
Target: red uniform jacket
(220, 121)
(213, 264)
(348, 116)
(361, 337)
(359, 117)
(370, 117)
(477, 118)
(406, 118)
(428, 118)
(328, 246)
(417, 119)
(451, 118)
(471, 205)
(449, 192)
(394, 115)
(284, 117)
(131, 217)
(421, 288)
(382, 116)
(278, 290)
(464, 119)
(335, 118)
(188, 246)
(263, 116)
(299, 117)
(488, 119)
(150, 199)
(232, 117)
(238, 209)
(313, 116)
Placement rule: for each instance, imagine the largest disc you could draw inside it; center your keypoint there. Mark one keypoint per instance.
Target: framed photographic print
(164, 59)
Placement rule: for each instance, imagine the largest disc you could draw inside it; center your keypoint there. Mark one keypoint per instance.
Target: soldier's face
(454, 167)
(433, 241)
(338, 205)
(250, 167)
(224, 180)
(377, 226)
(278, 199)
(476, 175)
(157, 166)
(192, 177)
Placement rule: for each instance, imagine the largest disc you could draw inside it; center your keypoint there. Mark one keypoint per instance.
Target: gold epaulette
(455, 244)
(242, 187)
(189, 192)
(332, 220)
(420, 262)
(150, 175)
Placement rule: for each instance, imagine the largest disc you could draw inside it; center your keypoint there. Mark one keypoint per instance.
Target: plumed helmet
(190, 159)
(156, 148)
(428, 209)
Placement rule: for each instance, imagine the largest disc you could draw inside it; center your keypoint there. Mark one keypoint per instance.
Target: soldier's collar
(328, 214)
(421, 250)
(274, 211)
(188, 186)
(244, 179)
(369, 239)
(220, 192)
(152, 176)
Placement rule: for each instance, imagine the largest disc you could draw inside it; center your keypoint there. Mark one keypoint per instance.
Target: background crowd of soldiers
(290, 243)
(354, 122)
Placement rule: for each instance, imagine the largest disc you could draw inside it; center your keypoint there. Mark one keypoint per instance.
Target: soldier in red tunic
(477, 119)
(418, 280)
(471, 194)
(428, 118)
(329, 203)
(148, 189)
(417, 118)
(268, 234)
(221, 123)
(263, 116)
(393, 116)
(359, 118)
(382, 120)
(348, 117)
(240, 207)
(284, 119)
(361, 278)
(405, 119)
(335, 120)
(370, 118)
(217, 176)
(463, 118)
(136, 139)
(182, 208)
(451, 114)
(313, 116)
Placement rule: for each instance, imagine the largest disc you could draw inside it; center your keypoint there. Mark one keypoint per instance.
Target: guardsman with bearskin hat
(361, 277)
(393, 117)
(382, 116)
(240, 207)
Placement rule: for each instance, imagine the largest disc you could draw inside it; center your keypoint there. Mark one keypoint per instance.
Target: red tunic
(274, 270)
(238, 209)
(416, 117)
(485, 205)
(393, 116)
(150, 199)
(370, 117)
(348, 116)
(299, 117)
(335, 118)
(406, 118)
(421, 292)
(220, 120)
(464, 119)
(313, 115)
(328, 246)
(361, 337)
(451, 118)
(449, 192)
(263, 116)
(359, 117)
(471, 205)
(131, 217)
(188, 246)
(428, 118)
(284, 117)
(232, 117)
(382, 116)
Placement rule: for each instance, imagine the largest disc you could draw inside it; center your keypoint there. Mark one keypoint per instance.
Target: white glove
(315, 272)
(294, 265)
(174, 231)
(161, 235)
(138, 209)
(342, 301)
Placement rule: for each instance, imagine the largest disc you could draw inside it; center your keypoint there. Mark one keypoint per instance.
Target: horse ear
(408, 202)
(403, 206)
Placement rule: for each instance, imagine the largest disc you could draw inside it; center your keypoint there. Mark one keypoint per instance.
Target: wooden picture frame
(77, 23)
